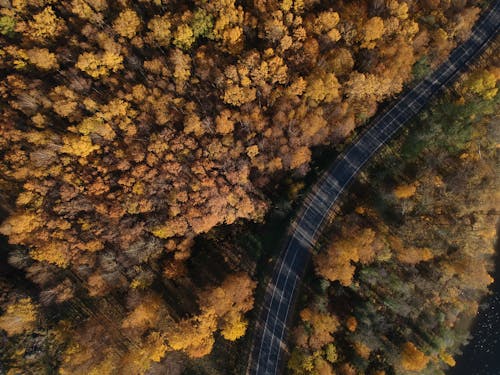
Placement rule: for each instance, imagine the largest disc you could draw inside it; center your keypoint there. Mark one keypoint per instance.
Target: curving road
(271, 331)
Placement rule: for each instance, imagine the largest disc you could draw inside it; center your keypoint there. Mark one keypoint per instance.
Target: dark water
(482, 355)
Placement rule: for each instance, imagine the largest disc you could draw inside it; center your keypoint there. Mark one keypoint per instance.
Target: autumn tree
(45, 25)
(139, 360)
(373, 30)
(160, 29)
(195, 335)
(42, 58)
(230, 301)
(234, 326)
(412, 359)
(20, 316)
(127, 23)
(483, 83)
(337, 263)
(97, 65)
(322, 326)
(405, 191)
(145, 314)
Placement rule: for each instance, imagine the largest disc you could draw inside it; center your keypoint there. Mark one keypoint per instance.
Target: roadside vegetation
(401, 271)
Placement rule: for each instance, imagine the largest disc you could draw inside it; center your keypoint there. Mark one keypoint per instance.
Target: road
(271, 332)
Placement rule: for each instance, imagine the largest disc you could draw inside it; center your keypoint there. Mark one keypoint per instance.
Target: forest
(145, 147)
(402, 268)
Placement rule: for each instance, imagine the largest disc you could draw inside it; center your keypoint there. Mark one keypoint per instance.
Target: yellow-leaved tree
(127, 23)
(19, 317)
(412, 359)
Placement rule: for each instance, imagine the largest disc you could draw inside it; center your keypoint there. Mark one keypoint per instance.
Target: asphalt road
(269, 345)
